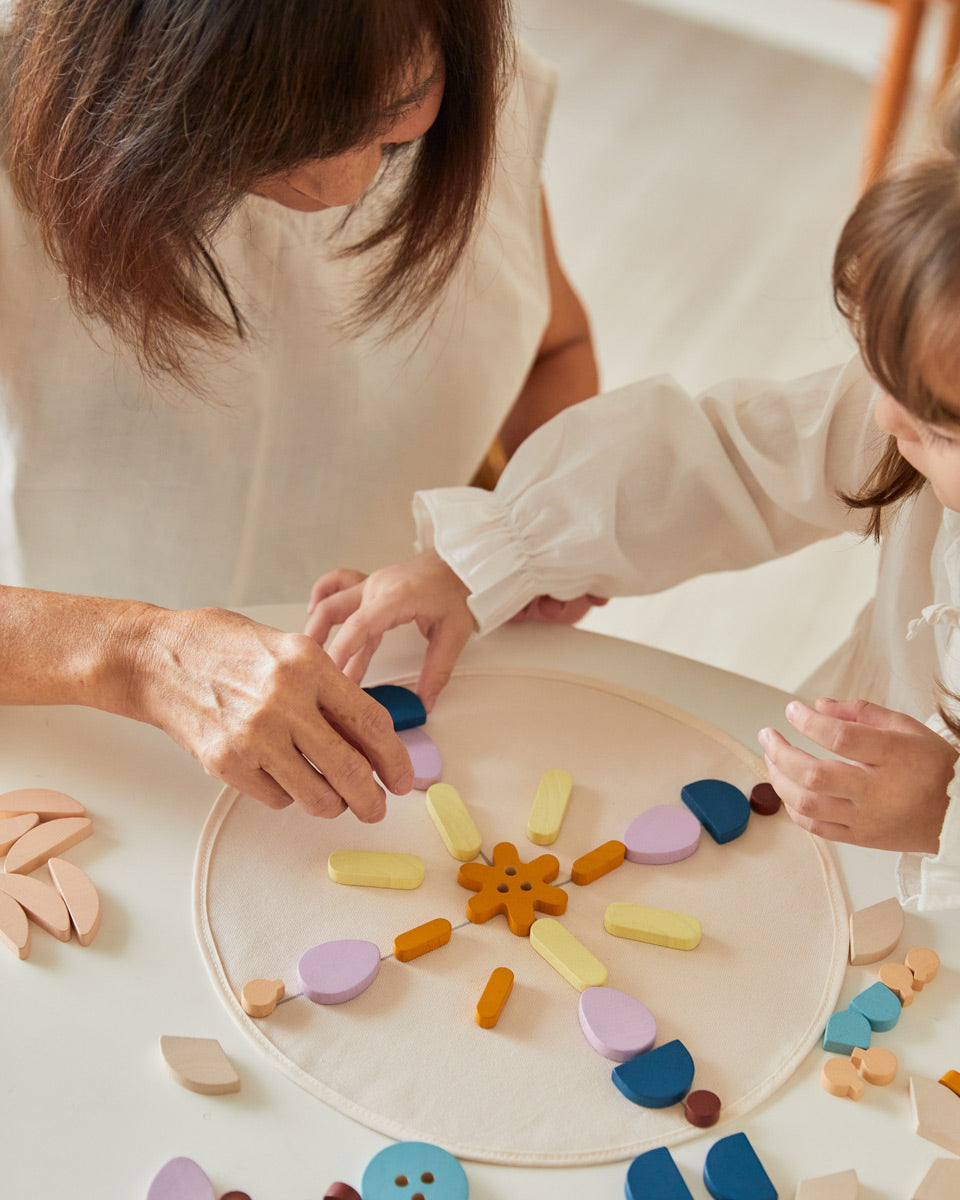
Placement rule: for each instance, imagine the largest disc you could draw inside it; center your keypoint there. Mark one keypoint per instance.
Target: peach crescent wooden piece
(549, 806)
(924, 964)
(844, 1185)
(13, 828)
(79, 895)
(566, 955)
(840, 1077)
(875, 931)
(423, 939)
(14, 926)
(494, 997)
(658, 926)
(41, 902)
(941, 1182)
(877, 1065)
(516, 889)
(375, 868)
(259, 997)
(44, 841)
(42, 801)
(200, 1065)
(595, 863)
(899, 978)
(936, 1113)
(951, 1080)
(453, 821)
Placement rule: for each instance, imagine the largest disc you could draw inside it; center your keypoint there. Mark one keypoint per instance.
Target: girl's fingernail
(794, 709)
(763, 737)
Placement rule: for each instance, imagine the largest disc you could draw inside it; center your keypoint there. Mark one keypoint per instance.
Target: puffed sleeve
(636, 490)
(929, 882)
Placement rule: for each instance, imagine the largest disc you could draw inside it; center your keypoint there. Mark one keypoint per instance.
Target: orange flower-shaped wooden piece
(518, 890)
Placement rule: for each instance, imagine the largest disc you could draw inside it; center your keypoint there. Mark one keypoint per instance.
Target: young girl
(634, 491)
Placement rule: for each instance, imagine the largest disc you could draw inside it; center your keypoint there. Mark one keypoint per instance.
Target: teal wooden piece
(880, 1005)
(408, 1169)
(721, 808)
(846, 1031)
(405, 707)
(655, 1176)
(657, 1079)
(732, 1171)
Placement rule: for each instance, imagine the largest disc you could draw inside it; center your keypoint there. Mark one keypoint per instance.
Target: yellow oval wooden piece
(566, 955)
(14, 926)
(43, 801)
(375, 868)
(79, 895)
(549, 806)
(453, 821)
(200, 1065)
(41, 902)
(494, 996)
(259, 997)
(658, 926)
(595, 863)
(46, 841)
(423, 939)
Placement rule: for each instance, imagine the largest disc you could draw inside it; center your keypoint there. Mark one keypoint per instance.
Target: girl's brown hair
(134, 128)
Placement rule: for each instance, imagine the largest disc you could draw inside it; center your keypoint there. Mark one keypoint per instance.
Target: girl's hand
(422, 589)
(888, 789)
(558, 612)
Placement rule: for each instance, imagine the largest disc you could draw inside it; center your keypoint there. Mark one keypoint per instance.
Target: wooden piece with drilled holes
(453, 821)
(518, 890)
(44, 841)
(941, 1182)
(45, 802)
(549, 807)
(658, 926)
(375, 868)
(259, 997)
(429, 936)
(840, 1077)
(936, 1113)
(877, 1065)
(13, 828)
(14, 926)
(844, 1185)
(568, 957)
(494, 997)
(898, 978)
(875, 931)
(924, 964)
(200, 1065)
(41, 902)
(79, 895)
(598, 862)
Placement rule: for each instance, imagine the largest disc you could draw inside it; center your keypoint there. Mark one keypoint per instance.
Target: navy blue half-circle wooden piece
(722, 809)
(405, 707)
(655, 1176)
(732, 1171)
(659, 1078)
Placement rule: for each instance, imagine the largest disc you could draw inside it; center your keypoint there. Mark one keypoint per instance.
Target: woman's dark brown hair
(134, 127)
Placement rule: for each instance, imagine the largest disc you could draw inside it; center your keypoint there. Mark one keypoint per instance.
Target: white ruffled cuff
(930, 882)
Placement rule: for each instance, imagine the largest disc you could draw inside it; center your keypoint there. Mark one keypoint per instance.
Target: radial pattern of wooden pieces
(518, 890)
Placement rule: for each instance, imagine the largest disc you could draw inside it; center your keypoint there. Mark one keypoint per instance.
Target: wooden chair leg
(890, 91)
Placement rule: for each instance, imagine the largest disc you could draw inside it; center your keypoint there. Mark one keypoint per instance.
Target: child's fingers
(846, 737)
(809, 775)
(332, 582)
(443, 650)
(864, 712)
(333, 610)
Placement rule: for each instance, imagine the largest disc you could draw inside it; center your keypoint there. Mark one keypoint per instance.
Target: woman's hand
(887, 790)
(266, 712)
(421, 589)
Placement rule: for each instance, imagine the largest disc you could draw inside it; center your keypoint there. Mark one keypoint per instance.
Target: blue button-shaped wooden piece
(654, 1176)
(410, 1169)
(657, 1079)
(732, 1171)
(880, 1005)
(405, 707)
(722, 809)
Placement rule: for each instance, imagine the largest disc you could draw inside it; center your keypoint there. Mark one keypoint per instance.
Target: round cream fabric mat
(407, 1058)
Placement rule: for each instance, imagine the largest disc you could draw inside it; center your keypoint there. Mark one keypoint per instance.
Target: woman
(266, 270)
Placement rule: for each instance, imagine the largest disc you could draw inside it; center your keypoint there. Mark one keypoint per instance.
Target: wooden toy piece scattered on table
(234, 1196)
(46, 840)
(657, 1079)
(924, 964)
(41, 902)
(598, 862)
(951, 1080)
(702, 1108)
(425, 757)
(79, 895)
(13, 828)
(494, 997)
(847, 1031)
(259, 997)
(14, 926)
(722, 809)
(936, 1113)
(764, 800)
(453, 821)
(655, 1176)
(844, 1185)
(875, 931)
(665, 833)
(341, 1191)
(941, 1182)
(549, 807)
(337, 971)
(375, 868)
(200, 1065)
(840, 1077)
(181, 1179)
(879, 1005)
(513, 888)
(899, 979)
(45, 802)
(429, 936)
(732, 1171)
(404, 706)
(568, 957)
(408, 1169)
(658, 926)
(615, 1024)
(877, 1065)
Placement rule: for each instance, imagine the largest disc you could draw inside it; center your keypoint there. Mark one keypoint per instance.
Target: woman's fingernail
(404, 783)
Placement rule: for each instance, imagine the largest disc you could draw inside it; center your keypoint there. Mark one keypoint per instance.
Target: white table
(88, 1108)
